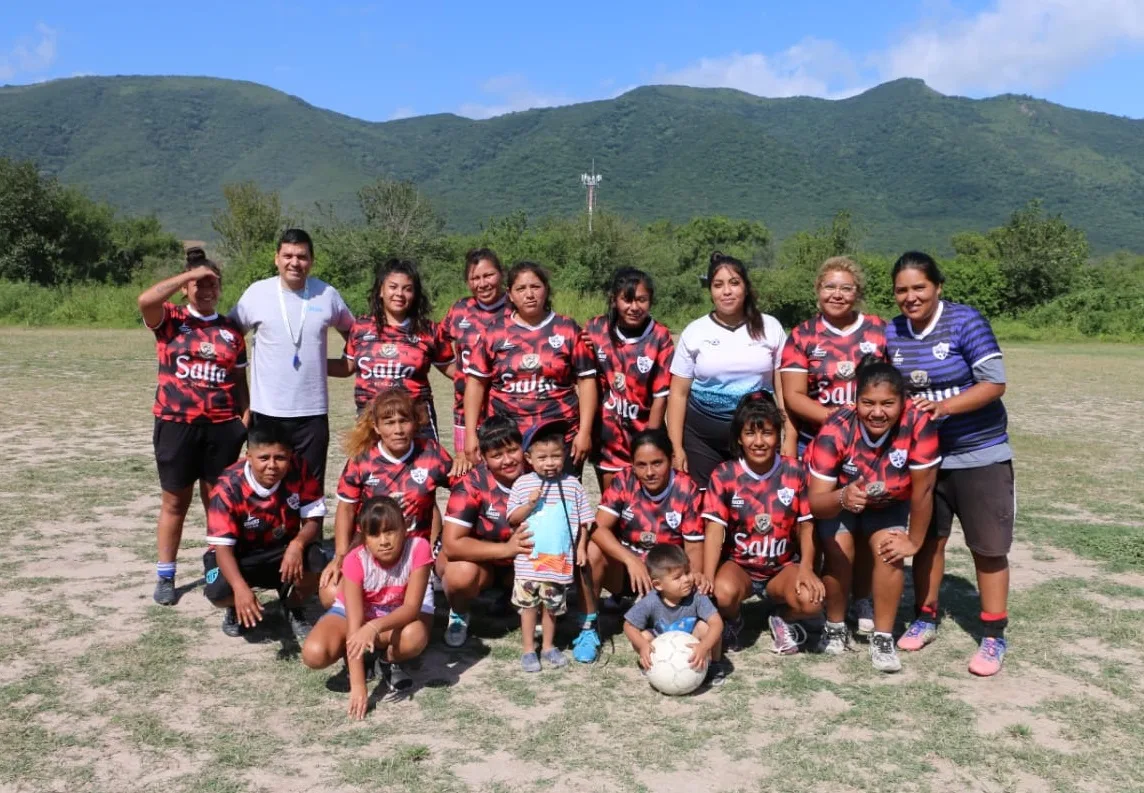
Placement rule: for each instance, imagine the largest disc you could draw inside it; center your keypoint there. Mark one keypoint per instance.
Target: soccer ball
(670, 673)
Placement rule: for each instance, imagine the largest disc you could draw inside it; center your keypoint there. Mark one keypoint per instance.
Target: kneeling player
(264, 526)
(674, 605)
(756, 509)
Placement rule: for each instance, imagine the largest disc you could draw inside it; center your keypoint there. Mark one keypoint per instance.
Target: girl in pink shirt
(384, 604)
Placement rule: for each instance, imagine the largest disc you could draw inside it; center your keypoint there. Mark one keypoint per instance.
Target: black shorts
(707, 443)
(187, 453)
(984, 501)
(309, 435)
(259, 570)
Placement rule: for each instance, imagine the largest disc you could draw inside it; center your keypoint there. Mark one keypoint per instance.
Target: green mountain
(912, 165)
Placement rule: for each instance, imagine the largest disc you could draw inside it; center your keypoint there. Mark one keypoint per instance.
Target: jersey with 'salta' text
(393, 356)
(199, 363)
(630, 373)
(532, 371)
(938, 364)
(643, 520)
(250, 518)
(480, 503)
(463, 324)
(760, 514)
(842, 452)
(830, 358)
(411, 480)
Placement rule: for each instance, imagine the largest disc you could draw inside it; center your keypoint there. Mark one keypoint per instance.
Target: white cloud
(509, 93)
(30, 54)
(402, 112)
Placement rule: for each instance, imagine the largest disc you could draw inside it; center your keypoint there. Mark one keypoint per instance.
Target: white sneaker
(457, 631)
(883, 653)
(864, 616)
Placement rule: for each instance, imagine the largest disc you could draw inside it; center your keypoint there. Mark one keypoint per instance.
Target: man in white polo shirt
(289, 315)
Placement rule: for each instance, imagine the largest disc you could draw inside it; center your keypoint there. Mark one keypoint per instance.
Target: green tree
(398, 209)
(252, 218)
(1040, 255)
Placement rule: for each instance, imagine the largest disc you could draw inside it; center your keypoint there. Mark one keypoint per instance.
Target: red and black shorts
(187, 453)
(259, 569)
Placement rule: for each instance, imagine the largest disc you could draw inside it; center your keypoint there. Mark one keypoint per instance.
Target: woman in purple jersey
(953, 366)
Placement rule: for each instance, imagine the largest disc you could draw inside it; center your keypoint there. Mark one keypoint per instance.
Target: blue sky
(385, 60)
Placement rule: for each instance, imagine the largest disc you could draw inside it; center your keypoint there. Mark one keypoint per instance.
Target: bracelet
(842, 500)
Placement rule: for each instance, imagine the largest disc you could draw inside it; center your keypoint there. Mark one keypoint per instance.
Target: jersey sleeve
(691, 526)
(661, 384)
(442, 464)
(715, 507)
(683, 361)
(240, 358)
(977, 341)
(310, 495)
(824, 454)
(793, 358)
(441, 350)
(222, 524)
(464, 505)
(350, 483)
(422, 554)
(481, 358)
(352, 567)
(640, 614)
(583, 361)
(352, 344)
(614, 498)
(925, 449)
(802, 499)
(163, 331)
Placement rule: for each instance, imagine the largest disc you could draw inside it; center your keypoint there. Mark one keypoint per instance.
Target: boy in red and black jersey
(411, 480)
(394, 356)
(264, 528)
(532, 371)
(760, 530)
(829, 357)
(632, 374)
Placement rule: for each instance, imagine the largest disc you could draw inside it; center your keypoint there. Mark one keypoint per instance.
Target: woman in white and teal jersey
(732, 351)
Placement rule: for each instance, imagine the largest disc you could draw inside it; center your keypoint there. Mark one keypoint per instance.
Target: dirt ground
(100, 689)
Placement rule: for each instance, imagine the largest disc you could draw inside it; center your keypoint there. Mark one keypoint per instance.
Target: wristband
(842, 500)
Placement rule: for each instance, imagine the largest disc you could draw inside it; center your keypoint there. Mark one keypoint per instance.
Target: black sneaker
(230, 624)
(165, 592)
(399, 683)
(731, 641)
(299, 625)
(717, 672)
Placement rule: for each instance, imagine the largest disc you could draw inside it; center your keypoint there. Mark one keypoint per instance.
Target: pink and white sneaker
(989, 657)
(918, 635)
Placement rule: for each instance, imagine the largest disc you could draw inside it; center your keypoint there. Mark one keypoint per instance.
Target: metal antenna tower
(591, 181)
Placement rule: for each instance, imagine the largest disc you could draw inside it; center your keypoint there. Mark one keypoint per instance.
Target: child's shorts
(530, 594)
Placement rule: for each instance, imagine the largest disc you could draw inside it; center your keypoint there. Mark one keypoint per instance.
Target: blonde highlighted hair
(843, 264)
(390, 402)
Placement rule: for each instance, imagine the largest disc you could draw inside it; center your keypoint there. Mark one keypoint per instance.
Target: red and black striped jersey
(480, 503)
(842, 451)
(760, 514)
(243, 514)
(830, 358)
(411, 480)
(199, 363)
(393, 356)
(643, 520)
(630, 373)
(464, 323)
(532, 370)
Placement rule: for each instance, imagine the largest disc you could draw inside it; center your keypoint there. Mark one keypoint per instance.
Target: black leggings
(706, 442)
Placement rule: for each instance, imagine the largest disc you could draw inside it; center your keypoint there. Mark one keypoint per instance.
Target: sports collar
(632, 339)
(759, 477)
(932, 323)
(191, 310)
(493, 306)
(390, 458)
(663, 493)
(258, 489)
(516, 319)
(849, 329)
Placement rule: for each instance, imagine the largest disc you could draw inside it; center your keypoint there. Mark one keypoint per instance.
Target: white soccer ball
(670, 672)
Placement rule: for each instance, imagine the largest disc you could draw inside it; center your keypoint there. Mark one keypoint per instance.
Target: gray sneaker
(835, 639)
(529, 662)
(165, 592)
(230, 624)
(554, 658)
(883, 653)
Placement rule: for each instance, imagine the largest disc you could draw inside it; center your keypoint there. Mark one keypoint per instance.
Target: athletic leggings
(706, 442)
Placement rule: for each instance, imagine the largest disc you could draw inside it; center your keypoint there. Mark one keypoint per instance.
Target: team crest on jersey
(737, 501)
(627, 513)
(227, 336)
(786, 495)
(206, 349)
(919, 377)
(619, 382)
(875, 489)
(647, 538)
(294, 501)
(643, 363)
(419, 475)
(897, 458)
(673, 519)
(941, 350)
(845, 369)
(867, 348)
(897, 359)
(763, 523)
(530, 361)
(817, 352)
(556, 341)
(389, 350)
